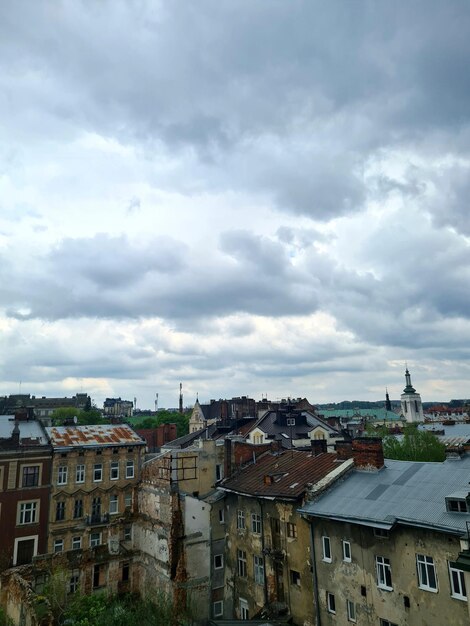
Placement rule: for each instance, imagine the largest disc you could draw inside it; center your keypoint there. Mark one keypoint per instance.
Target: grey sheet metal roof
(402, 492)
(29, 429)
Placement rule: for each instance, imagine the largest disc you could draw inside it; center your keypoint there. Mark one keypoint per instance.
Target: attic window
(456, 505)
(291, 421)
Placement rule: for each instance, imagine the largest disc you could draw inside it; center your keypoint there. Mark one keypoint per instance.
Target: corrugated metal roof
(290, 472)
(98, 435)
(403, 492)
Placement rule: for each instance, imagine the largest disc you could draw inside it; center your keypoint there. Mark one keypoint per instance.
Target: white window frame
(98, 467)
(256, 523)
(220, 559)
(114, 470)
(113, 504)
(258, 569)
(424, 565)
(17, 541)
(454, 592)
(241, 523)
(130, 471)
(351, 611)
(347, 551)
(244, 612)
(219, 471)
(218, 608)
(382, 566)
(221, 516)
(22, 511)
(93, 543)
(330, 603)
(62, 474)
(326, 547)
(128, 499)
(76, 540)
(79, 474)
(58, 545)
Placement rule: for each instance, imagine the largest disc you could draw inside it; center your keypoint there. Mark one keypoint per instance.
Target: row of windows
(258, 568)
(291, 529)
(80, 472)
(95, 539)
(425, 566)
(96, 506)
(350, 606)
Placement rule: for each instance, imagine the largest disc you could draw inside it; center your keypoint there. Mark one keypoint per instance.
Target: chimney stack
(368, 453)
(344, 450)
(227, 458)
(318, 446)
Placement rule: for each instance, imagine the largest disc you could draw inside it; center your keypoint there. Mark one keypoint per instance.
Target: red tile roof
(284, 476)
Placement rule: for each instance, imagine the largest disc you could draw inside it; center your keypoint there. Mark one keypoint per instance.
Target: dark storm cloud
(331, 83)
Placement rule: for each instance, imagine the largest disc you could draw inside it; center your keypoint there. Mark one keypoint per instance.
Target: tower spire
(388, 404)
(181, 399)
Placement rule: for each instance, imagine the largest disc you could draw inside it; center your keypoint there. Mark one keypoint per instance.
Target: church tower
(411, 406)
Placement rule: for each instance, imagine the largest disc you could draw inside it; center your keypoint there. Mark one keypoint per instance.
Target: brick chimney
(344, 450)
(318, 446)
(368, 453)
(276, 445)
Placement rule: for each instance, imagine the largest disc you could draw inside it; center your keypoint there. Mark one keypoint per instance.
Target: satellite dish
(75, 419)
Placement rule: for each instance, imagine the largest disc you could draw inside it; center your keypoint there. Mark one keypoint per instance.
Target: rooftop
(403, 492)
(31, 431)
(285, 475)
(102, 435)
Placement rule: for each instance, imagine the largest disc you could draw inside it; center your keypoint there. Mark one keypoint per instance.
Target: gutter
(315, 575)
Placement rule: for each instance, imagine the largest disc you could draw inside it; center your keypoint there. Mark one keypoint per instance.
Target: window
(330, 602)
(78, 508)
(256, 523)
(113, 504)
(240, 519)
(258, 568)
(80, 474)
(98, 576)
(96, 507)
(127, 533)
(243, 609)
(295, 577)
(241, 560)
(457, 583)
(62, 475)
(222, 516)
(60, 511)
(30, 476)
(426, 572)
(76, 543)
(218, 608)
(218, 561)
(97, 472)
(384, 573)
(351, 609)
(128, 499)
(346, 551)
(95, 540)
(291, 421)
(114, 470)
(125, 569)
(74, 581)
(130, 469)
(58, 545)
(292, 530)
(386, 622)
(219, 471)
(257, 439)
(456, 506)
(326, 549)
(381, 533)
(28, 513)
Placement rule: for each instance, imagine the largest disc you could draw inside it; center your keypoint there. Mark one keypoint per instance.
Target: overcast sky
(247, 196)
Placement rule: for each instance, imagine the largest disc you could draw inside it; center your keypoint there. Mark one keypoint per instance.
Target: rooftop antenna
(156, 403)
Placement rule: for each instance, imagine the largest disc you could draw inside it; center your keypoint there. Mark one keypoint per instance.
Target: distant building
(43, 407)
(411, 405)
(158, 436)
(118, 408)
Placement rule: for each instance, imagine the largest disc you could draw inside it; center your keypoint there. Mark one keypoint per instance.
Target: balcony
(97, 520)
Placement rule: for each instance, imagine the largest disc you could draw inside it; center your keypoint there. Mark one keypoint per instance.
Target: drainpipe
(315, 575)
(263, 553)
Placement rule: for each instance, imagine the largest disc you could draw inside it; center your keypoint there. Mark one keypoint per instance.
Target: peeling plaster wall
(344, 580)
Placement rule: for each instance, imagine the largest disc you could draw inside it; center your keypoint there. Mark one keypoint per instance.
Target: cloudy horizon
(252, 198)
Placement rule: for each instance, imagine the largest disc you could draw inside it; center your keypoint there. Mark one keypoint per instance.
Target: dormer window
(456, 505)
(291, 421)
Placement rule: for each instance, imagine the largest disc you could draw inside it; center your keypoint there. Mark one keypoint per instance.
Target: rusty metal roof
(99, 435)
(285, 475)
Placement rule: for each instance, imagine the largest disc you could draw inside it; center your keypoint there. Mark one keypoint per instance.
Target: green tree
(413, 445)
(92, 416)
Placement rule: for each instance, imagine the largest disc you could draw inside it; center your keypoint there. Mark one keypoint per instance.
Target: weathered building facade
(387, 541)
(25, 473)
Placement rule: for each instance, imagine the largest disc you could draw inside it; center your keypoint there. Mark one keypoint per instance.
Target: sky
(251, 197)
